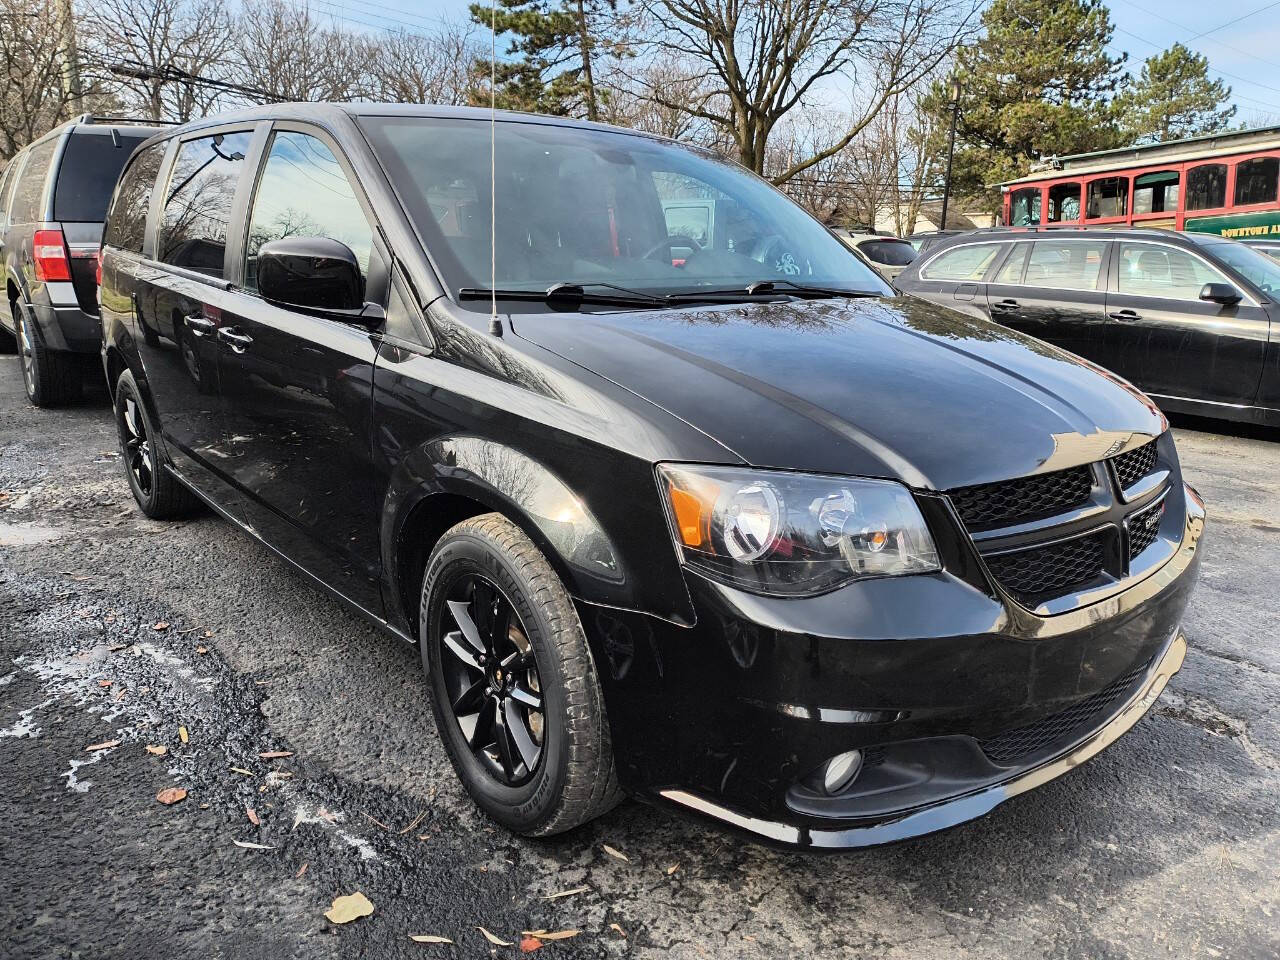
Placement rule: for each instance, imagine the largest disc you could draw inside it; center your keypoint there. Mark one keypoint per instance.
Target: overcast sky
(1246, 54)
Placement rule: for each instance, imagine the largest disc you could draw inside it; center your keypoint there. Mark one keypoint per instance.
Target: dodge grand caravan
(725, 526)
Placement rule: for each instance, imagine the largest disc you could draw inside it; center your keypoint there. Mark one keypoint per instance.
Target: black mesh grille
(1015, 745)
(1143, 530)
(998, 504)
(1133, 466)
(1049, 570)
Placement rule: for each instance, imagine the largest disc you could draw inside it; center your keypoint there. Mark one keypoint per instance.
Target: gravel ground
(1166, 845)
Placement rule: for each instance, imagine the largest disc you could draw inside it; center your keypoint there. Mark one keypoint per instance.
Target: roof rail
(135, 121)
(1051, 227)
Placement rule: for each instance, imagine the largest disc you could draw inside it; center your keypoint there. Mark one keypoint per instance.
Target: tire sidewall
(26, 330)
(127, 389)
(525, 807)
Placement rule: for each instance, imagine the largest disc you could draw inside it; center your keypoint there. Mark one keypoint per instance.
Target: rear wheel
(514, 687)
(49, 376)
(8, 341)
(158, 492)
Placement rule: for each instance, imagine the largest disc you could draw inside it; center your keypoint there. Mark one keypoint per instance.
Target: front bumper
(927, 674)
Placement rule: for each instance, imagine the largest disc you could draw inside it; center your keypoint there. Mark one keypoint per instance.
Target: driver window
(1153, 270)
(304, 192)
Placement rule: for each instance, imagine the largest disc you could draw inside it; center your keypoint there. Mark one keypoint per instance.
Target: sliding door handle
(1127, 316)
(232, 337)
(200, 326)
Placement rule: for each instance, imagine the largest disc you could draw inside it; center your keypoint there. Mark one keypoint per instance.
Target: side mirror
(1223, 293)
(310, 273)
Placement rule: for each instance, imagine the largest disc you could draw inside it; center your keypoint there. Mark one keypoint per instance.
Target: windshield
(590, 206)
(1255, 266)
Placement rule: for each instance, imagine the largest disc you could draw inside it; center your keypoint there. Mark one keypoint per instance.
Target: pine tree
(1174, 98)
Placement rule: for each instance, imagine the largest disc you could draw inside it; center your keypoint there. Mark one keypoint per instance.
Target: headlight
(793, 533)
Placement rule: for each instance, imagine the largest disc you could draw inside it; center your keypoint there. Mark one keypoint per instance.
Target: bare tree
(766, 58)
(289, 52)
(33, 96)
(161, 41)
(415, 68)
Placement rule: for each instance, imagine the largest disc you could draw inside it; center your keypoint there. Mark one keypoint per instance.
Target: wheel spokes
(482, 733)
(529, 699)
(471, 699)
(453, 641)
(468, 626)
(503, 742)
(524, 743)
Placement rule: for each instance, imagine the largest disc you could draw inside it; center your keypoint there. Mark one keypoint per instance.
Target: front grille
(1024, 742)
(998, 504)
(1133, 466)
(1141, 533)
(1054, 569)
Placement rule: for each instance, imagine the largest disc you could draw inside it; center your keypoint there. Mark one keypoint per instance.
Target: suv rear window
(87, 175)
(894, 253)
(26, 197)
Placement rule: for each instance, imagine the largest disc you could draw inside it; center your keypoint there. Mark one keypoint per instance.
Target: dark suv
(53, 198)
(1190, 318)
(724, 525)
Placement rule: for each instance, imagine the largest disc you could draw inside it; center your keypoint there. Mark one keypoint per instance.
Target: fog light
(840, 771)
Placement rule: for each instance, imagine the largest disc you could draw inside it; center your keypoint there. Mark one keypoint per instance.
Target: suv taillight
(97, 259)
(50, 252)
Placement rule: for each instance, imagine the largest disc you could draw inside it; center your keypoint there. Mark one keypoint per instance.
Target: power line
(1215, 68)
(1183, 26)
(1231, 23)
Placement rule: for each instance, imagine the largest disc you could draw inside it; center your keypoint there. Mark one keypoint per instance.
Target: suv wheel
(514, 687)
(159, 493)
(8, 341)
(50, 377)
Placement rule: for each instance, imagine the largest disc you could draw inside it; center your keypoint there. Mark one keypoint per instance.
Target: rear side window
(30, 188)
(1065, 264)
(1256, 180)
(127, 221)
(1207, 187)
(197, 204)
(894, 253)
(1108, 198)
(87, 175)
(1150, 270)
(969, 262)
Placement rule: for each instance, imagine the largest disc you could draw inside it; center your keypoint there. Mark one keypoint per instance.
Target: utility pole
(71, 88)
(951, 145)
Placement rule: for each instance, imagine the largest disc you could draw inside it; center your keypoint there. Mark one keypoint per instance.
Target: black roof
(1101, 232)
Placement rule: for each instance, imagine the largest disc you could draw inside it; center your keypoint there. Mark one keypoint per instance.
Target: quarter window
(126, 225)
(1064, 203)
(1151, 270)
(1256, 180)
(1207, 187)
(197, 207)
(305, 193)
(1024, 208)
(969, 262)
(1108, 198)
(30, 189)
(1156, 192)
(1065, 264)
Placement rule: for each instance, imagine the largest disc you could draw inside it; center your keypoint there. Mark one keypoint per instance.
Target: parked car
(1190, 318)
(889, 256)
(926, 239)
(744, 534)
(1268, 245)
(53, 198)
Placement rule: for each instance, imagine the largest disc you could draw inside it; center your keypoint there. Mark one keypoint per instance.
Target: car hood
(888, 388)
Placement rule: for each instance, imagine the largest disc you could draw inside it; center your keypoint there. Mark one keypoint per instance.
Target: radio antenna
(495, 325)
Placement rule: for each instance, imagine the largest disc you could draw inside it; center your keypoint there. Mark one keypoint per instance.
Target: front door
(297, 388)
(177, 305)
(1184, 346)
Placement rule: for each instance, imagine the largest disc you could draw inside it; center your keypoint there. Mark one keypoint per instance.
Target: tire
(160, 495)
(8, 342)
(573, 778)
(50, 377)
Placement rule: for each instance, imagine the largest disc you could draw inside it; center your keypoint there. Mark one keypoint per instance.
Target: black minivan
(719, 524)
(53, 198)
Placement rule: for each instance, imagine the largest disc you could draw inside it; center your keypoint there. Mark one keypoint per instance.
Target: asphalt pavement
(119, 633)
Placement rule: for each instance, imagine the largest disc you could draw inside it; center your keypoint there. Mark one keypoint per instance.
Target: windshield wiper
(769, 288)
(568, 295)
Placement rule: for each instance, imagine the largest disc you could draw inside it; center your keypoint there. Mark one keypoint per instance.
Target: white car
(889, 255)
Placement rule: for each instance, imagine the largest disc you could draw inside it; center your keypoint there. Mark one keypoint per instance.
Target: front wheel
(514, 687)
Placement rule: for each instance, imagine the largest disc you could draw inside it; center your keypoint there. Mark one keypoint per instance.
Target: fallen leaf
(496, 941)
(182, 734)
(157, 751)
(558, 935)
(301, 870)
(171, 795)
(104, 683)
(428, 938)
(162, 625)
(242, 771)
(105, 745)
(276, 754)
(530, 944)
(260, 846)
(672, 869)
(207, 634)
(622, 933)
(348, 908)
(202, 650)
(566, 893)
(253, 817)
(615, 853)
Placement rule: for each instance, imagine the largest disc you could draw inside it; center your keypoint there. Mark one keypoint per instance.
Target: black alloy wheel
(495, 693)
(157, 491)
(138, 455)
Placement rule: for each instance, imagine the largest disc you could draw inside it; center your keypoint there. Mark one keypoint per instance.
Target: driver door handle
(1125, 315)
(239, 342)
(1004, 306)
(200, 326)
